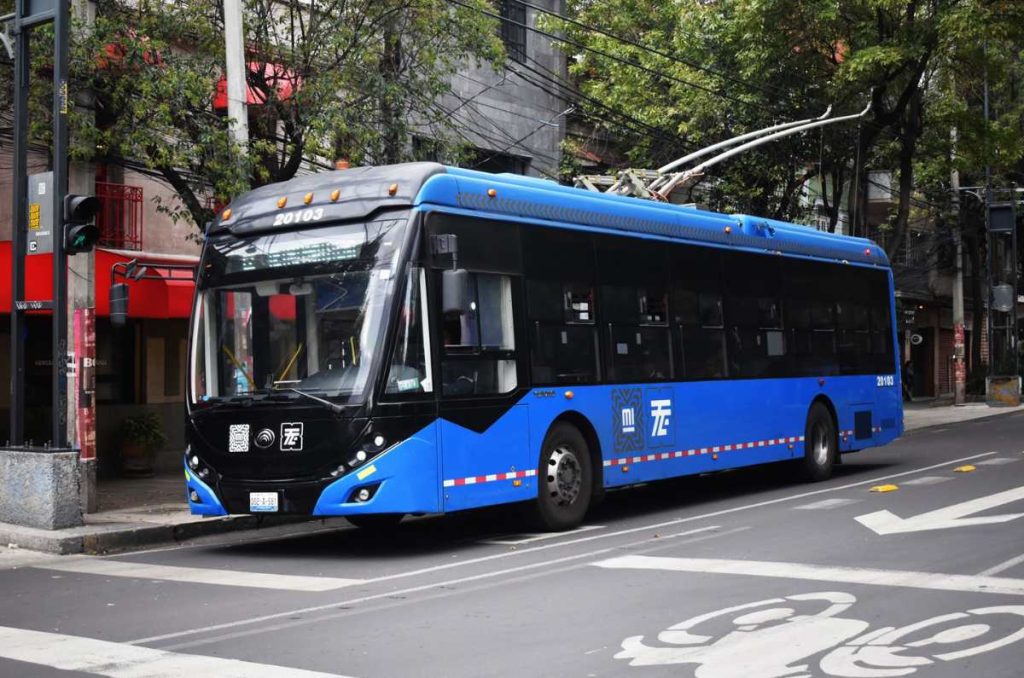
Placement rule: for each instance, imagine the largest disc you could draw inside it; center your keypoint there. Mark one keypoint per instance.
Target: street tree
(326, 79)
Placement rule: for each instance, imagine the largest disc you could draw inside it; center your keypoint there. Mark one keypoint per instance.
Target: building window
(513, 29)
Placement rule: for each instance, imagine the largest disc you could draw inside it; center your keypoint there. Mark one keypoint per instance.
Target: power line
(627, 62)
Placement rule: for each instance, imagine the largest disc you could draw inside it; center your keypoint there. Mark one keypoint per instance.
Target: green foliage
(334, 78)
(716, 70)
(143, 429)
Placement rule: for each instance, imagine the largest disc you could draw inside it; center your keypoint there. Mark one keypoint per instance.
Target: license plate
(263, 502)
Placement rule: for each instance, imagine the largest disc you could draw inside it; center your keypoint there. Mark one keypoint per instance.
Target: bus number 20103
(299, 217)
(885, 380)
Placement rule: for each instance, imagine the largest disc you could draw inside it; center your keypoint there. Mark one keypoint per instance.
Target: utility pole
(235, 70)
(959, 348)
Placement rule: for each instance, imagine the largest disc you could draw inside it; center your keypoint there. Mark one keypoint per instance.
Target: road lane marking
(933, 581)
(1002, 567)
(198, 575)
(928, 480)
(826, 504)
(696, 535)
(997, 461)
(519, 539)
(955, 515)
(120, 660)
(568, 542)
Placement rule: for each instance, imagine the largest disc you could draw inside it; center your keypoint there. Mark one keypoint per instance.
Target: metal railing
(120, 217)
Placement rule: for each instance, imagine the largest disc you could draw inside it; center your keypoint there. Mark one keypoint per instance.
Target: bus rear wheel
(565, 479)
(821, 446)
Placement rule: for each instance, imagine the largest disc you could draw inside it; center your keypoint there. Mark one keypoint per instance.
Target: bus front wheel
(821, 446)
(565, 479)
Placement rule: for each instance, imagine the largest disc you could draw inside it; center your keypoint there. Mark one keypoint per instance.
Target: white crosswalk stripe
(118, 660)
(198, 575)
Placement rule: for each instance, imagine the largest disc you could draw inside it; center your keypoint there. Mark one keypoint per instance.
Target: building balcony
(120, 217)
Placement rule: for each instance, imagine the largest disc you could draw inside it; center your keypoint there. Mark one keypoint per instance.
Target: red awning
(168, 296)
(278, 78)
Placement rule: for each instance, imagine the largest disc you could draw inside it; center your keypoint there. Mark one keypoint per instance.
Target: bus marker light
(308, 199)
(491, 193)
(569, 395)
(625, 469)
(335, 194)
(517, 483)
(225, 215)
(885, 488)
(392, 189)
(867, 251)
(821, 382)
(281, 202)
(728, 230)
(714, 457)
(366, 472)
(966, 468)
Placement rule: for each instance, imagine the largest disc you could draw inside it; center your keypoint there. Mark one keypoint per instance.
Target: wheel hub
(820, 445)
(565, 476)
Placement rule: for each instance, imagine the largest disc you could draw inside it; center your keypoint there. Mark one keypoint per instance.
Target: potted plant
(141, 436)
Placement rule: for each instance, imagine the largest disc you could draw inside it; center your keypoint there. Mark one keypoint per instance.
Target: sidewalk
(144, 512)
(920, 415)
(139, 512)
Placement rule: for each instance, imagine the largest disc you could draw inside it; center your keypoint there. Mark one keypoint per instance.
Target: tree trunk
(909, 133)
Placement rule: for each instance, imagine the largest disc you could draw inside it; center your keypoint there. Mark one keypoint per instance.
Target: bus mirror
(454, 296)
(118, 304)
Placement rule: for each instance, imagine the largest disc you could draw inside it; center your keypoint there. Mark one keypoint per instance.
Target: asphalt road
(742, 574)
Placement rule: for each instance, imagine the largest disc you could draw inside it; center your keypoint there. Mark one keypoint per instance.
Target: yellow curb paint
(885, 488)
(966, 468)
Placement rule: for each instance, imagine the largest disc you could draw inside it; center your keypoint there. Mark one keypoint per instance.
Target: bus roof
(357, 192)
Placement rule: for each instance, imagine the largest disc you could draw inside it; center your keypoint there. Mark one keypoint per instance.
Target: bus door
(484, 428)
(477, 306)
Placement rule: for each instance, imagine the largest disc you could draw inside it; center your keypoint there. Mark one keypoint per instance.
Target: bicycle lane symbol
(782, 637)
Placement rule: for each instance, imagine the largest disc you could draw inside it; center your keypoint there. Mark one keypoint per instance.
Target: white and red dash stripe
(490, 478)
(698, 451)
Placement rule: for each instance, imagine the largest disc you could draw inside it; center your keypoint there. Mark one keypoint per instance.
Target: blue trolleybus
(417, 339)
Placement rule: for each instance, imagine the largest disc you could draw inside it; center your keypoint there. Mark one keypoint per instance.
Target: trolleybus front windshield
(296, 310)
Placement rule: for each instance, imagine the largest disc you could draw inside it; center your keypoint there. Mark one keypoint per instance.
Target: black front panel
(264, 441)
(292, 497)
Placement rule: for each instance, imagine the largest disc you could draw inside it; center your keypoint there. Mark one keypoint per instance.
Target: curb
(98, 540)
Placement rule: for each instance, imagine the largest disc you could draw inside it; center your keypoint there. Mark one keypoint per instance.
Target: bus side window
(410, 362)
(479, 341)
(696, 314)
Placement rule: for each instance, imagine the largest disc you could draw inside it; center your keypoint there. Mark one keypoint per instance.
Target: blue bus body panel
(208, 504)
(405, 478)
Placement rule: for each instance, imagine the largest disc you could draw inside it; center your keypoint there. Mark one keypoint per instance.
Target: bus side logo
(291, 436)
(661, 426)
(627, 420)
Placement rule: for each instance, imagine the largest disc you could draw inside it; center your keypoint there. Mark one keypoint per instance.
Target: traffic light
(80, 233)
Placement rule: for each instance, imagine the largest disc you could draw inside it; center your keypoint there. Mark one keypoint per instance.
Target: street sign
(1001, 217)
(40, 213)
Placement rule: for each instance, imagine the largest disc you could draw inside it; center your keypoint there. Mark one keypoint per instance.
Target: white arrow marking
(885, 522)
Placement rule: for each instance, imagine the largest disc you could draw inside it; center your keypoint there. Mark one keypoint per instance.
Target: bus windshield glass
(296, 310)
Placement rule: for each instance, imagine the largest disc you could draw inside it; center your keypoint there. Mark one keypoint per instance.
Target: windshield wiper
(333, 407)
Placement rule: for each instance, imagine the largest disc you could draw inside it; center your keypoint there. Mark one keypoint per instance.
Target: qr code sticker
(238, 438)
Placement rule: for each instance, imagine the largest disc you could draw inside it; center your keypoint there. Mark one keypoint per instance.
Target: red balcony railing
(120, 217)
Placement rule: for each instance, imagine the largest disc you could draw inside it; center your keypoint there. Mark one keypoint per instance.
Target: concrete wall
(506, 113)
